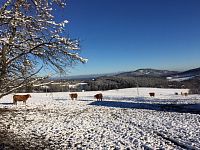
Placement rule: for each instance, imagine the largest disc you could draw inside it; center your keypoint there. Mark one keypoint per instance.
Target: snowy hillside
(186, 75)
(148, 72)
(125, 119)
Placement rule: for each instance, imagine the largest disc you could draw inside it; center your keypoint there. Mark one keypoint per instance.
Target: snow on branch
(30, 36)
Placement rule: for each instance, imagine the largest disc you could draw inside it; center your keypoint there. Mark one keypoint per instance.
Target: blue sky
(124, 35)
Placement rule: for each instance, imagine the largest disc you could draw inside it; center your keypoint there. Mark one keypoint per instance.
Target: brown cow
(184, 94)
(73, 96)
(99, 96)
(20, 98)
(152, 94)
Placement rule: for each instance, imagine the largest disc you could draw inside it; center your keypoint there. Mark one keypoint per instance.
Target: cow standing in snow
(23, 98)
(73, 96)
(184, 94)
(152, 94)
(99, 96)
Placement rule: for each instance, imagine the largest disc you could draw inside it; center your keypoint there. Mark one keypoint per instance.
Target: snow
(180, 78)
(123, 120)
(4, 40)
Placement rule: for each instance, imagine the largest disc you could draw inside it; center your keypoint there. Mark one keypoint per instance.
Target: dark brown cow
(99, 96)
(73, 96)
(152, 94)
(20, 98)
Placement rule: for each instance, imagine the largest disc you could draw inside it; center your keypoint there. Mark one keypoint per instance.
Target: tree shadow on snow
(64, 99)
(145, 99)
(85, 100)
(181, 108)
(6, 103)
(60, 99)
(3, 110)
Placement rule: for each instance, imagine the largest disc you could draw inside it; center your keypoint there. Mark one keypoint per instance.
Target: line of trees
(108, 83)
(116, 82)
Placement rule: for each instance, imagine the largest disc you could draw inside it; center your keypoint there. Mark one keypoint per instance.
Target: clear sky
(124, 35)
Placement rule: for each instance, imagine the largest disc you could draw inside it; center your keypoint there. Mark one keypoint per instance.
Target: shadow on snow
(6, 103)
(182, 108)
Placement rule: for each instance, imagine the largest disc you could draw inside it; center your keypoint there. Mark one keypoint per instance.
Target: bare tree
(30, 39)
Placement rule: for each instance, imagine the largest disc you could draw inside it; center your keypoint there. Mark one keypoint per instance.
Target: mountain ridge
(148, 72)
(191, 72)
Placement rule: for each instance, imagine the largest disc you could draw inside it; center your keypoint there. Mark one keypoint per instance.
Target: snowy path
(121, 121)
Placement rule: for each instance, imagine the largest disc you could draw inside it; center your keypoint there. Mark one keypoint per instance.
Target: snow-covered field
(125, 119)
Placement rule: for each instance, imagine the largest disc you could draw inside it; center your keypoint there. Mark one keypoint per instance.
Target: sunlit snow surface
(125, 119)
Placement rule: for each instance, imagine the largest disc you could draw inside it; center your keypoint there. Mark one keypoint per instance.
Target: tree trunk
(3, 66)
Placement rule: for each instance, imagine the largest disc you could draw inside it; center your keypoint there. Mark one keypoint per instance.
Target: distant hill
(139, 78)
(171, 75)
(148, 72)
(186, 75)
(148, 78)
(189, 73)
